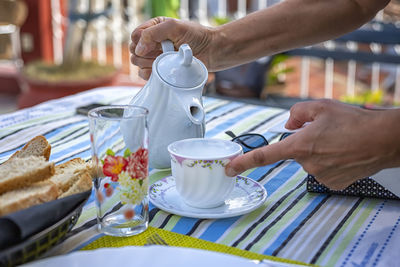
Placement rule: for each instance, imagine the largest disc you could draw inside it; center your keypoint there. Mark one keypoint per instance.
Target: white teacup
(198, 166)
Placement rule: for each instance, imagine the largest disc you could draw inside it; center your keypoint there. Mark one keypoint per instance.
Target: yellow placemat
(179, 240)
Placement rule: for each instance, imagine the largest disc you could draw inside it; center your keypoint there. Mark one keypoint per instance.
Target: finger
(143, 63)
(258, 157)
(132, 47)
(303, 112)
(135, 36)
(144, 74)
(152, 54)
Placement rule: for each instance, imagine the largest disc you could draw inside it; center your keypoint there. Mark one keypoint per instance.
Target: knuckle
(133, 35)
(299, 106)
(299, 151)
(171, 22)
(295, 107)
(134, 60)
(136, 34)
(146, 35)
(160, 19)
(324, 104)
(132, 47)
(258, 157)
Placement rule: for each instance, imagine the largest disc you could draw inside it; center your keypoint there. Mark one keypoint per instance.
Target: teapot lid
(181, 69)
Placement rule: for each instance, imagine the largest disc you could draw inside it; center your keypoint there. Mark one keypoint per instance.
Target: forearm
(385, 128)
(290, 24)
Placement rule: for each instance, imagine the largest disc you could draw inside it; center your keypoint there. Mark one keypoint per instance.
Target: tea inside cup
(198, 166)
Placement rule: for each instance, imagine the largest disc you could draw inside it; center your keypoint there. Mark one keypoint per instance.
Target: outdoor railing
(108, 38)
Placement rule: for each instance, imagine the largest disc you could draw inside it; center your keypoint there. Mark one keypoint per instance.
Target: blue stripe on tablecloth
(184, 225)
(69, 149)
(387, 240)
(195, 226)
(222, 109)
(87, 154)
(61, 129)
(10, 152)
(364, 232)
(289, 229)
(332, 235)
(220, 226)
(279, 179)
(231, 121)
(48, 135)
(282, 177)
(259, 172)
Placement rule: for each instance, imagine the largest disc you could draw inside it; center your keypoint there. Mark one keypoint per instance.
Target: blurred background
(54, 48)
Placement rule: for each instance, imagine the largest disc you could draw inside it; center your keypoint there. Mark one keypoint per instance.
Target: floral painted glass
(119, 141)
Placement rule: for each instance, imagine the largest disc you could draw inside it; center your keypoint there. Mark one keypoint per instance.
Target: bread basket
(36, 245)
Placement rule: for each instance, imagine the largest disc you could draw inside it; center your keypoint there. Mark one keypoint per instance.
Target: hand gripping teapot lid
(180, 69)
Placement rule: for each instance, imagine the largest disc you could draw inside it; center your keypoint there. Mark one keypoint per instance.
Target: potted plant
(370, 99)
(43, 80)
(275, 82)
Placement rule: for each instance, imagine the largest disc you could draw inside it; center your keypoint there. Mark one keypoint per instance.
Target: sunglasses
(250, 141)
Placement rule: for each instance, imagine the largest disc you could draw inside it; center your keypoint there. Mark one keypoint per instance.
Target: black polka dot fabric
(366, 187)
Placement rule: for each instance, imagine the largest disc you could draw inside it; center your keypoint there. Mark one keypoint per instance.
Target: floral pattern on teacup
(206, 163)
(130, 172)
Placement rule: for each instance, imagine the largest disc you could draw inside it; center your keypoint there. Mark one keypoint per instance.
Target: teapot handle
(167, 46)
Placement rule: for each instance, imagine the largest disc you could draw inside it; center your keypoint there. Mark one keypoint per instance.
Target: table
(294, 224)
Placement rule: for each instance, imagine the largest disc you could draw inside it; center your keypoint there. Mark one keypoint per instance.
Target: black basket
(366, 187)
(33, 247)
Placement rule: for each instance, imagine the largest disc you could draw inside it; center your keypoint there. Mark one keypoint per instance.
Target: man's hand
(146, 41)
(341, 144)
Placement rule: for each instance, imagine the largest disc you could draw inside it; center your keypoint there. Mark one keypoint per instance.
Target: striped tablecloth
(311, 228)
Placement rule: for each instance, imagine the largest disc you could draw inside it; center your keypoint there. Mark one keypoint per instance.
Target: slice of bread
(37, 146)
(21, 172)
(68, 173)
(26, 197)
(83, 184)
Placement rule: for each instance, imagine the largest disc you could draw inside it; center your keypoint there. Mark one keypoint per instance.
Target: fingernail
(230, 172)
(139, 49)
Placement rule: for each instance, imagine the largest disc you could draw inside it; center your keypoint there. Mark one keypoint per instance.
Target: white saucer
(246, 196)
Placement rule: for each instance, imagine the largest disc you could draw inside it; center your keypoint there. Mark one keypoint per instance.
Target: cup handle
(167, 46)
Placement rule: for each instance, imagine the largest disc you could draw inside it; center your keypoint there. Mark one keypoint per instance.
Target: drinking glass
(119, 139)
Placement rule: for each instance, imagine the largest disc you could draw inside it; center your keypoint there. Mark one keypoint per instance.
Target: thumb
(259, 157)
(301, 113)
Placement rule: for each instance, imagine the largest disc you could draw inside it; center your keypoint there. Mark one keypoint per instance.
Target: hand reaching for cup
(336, 147)
(146, 41)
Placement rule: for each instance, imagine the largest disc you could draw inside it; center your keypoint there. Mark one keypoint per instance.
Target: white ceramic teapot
(173, 96)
